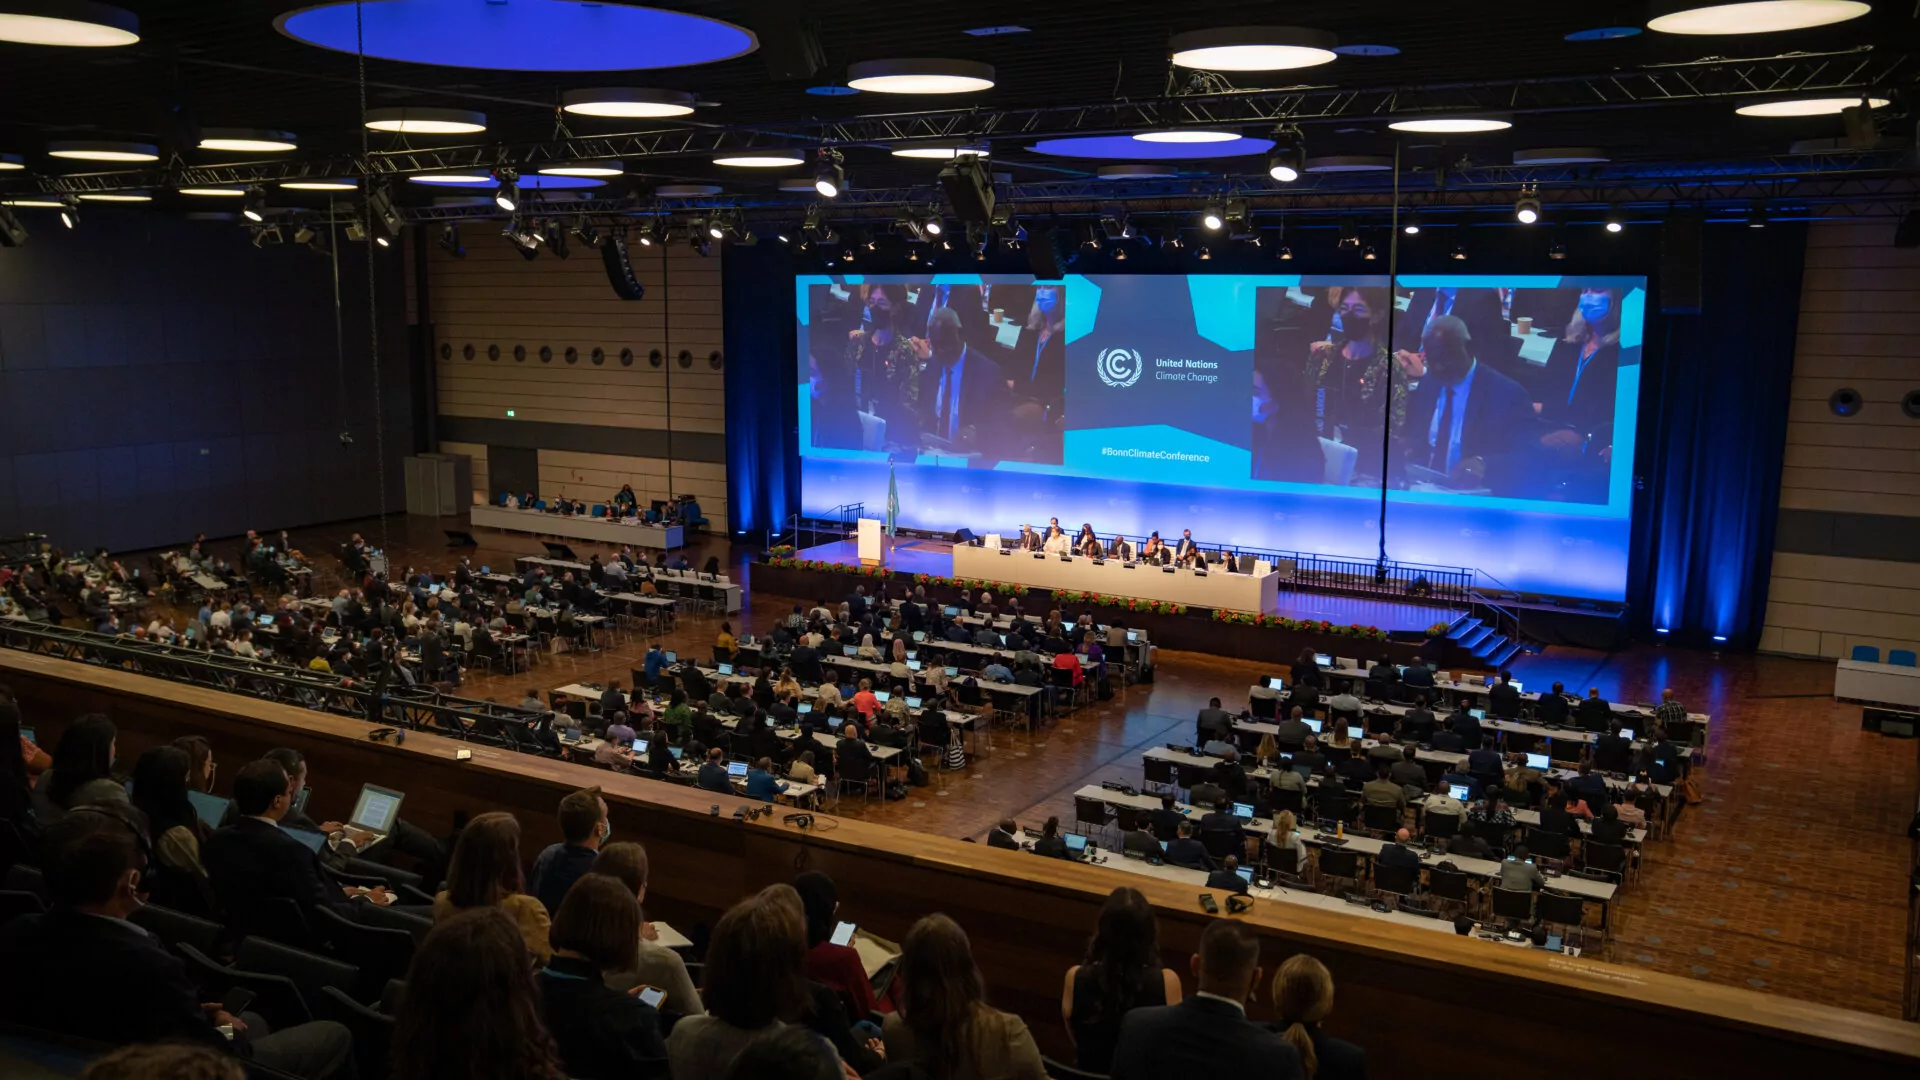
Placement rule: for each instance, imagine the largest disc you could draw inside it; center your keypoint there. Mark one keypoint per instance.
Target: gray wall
(162, 377)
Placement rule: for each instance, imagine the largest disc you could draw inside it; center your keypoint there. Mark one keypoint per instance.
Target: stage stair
(1487, 644)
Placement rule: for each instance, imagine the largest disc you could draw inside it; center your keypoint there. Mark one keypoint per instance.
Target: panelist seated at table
(1121, 548)
(1156, 551)
(1056, 542)
(1466, 422)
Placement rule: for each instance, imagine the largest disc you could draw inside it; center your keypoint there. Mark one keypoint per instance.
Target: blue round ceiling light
(832, 91)
(1128, 148)
(522, 35)
(1367, 50)
(532, 182)
(1603, 33)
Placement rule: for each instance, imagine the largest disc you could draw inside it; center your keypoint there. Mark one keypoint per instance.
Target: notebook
(1076, 844)
(1458, 791)
(639, 746)
(1312, 723)
(1242, 810)
(913, 702)
(913, 665)
(313, 839)
(883, 696)
(1276, 683)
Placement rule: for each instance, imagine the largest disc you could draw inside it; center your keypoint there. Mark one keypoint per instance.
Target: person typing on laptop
(1228, 877)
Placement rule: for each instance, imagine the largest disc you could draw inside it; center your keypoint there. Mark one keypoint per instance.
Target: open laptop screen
(376, 809)
(211, 808)
(736, 768)
(312, 838)
(1076, 844)
(1537, 761)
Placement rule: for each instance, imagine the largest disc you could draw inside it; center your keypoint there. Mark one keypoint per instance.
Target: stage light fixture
(1526, 209)
(968, 184)
(320, 185)
(1757, 217)
(829, 177)
(1120, 254)
(415, 120)
(70, 23)
(1451, 125)
(584, 231)
(507, 195)
(12, 162)
(1289, 155)
(450, 241)
(1823, 106)
(920, 76)
(255, 208)
(380, 203)
(382, 241)
(763, 159)
(1753, 17)
(102, 150)
(1614, 223)
(1116, 224)
(356, 231)
(1213, 217)
(1349, 235)
(13, 233)
(1410, 224)
(1253, 48)
(266, 235)
(934, 225)
(1237, 220)
(1089, 237)
(627, 102)
(1557, 250)
(118, 196)
(602, 168)
(939, 150)
(248, 140)
(716, 228)
(70, 212)
(216, 192)
(1285, 254)
(304, 234)
(555, 235)
(522, 237)
(1189, 136)
(1459, 253)
(1367, 253)
(1206, 253)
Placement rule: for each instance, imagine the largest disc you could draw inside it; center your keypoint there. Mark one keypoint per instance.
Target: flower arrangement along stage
(1312, 626)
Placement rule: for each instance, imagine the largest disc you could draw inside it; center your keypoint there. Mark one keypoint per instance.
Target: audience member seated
(83, 970)
(1302, 998)
(602, 1033)
(584, 826)
(471, 1007)
(164, 1061)
(254, 862)
(659, 966)
(486, 874)
(1005, 835)
(1050, 843)
(837, 967)
(761, 783)
(1228, 877)
(755, 981)
(944, 1025)
(179, 879)
(1518, 874)
(82, 772)
(1186, 851)
(1208, 1036)
(1121, 973)
(713, 773)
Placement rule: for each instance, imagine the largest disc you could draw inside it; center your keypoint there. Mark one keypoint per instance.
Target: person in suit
(1120, 548)
(713, 773)
(761, 783)
(1220, 819)
(1207, 1036)
(1213, 722)
(81, 969)
(1594, 712)
(1165, 821)
(1184, 850)
(1004, 835)
(1228, 877)
(1418, 675)
(1141, 841)
(1464, 421)
(1292, 732)
(1611, 752)
(1186, 551)
(1050, 844)
(1486, 762)
(253, 862)
(1302, 998)
(612, 700)
(1417, 724)
(1467, 726)
(963, 400)
(1398, 853)
(1503, 699)
(1552, 708)
(851, 756)
(1482, 312)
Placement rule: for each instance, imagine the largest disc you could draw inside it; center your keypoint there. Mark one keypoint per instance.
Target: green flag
(893, 503)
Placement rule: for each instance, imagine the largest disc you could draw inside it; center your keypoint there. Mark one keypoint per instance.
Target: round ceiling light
(452, 178)
(539, 182)
(536, 35)
(75, 23)
(1756, 17)
(248, 140)
(117, 196)
(1187, 135)
(415, 120)
(1452, 125)
(920, 76)
(9, 162)
(1828, 106)
(608, 167)
(1128, 148)
(692, 191)
(764, 159)
(1254, 48)
(1137, 171)
(937, 151)
(627, 102)
(30, 202)
(97, 150)
(1561, 155)
(320, 184)
(222, 192)
(1343, 163)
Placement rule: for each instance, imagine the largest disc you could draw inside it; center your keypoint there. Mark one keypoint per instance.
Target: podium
(876, 547)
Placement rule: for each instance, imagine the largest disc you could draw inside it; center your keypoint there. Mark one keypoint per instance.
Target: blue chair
(1868, 654)
(1903, 657)
(599, 510)
(504, 496)
(541, 504)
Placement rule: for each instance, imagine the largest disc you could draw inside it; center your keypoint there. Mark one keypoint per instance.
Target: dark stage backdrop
(763, 455)
(162, 377)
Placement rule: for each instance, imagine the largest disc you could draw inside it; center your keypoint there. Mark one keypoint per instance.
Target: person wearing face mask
(963, 400)
(887, 362)
(1577, 396)
(1483, 312)
(584, 827)
(1464, 419)
(1350, 379)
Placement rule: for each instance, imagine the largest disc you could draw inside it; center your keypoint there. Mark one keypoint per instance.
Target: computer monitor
(639, 746)
(1133, 637)
(952, 672)
(913, 702)
(1355, 731)
(211, 808)
(486, 570)
(883, 696)
(1323, 659)
(1313, 723)
(1242, 810)
(848, 650)
(676, 752)
(913, 665)
(804, 708)
(671, 657)
(1275, 682)
(1458, 791)
(1477, 714)
(1626, 733)
(726, 669)
(1537, 761)
(1076, 844)
(1517, 686)
(736, 768)
(1246, 874)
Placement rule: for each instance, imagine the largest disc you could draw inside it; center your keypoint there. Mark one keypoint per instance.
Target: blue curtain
(763, 455)
(1714, 424)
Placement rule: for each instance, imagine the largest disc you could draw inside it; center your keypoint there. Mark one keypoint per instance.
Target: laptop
(1276, 683)
(1246, 874)
(1355, 731)
(1518, 687)
(671, 657)
(1458, 791)
(1625, 733)
(1133, 637)
(676, 752)
(375, 812)
(848, 650)
(1537, 761)
(883, 696)
(953, 672)
(1242, 810)
(1323, 659)
(486, 570)
(639, 746)
(913, 702)
(913, 665)
(1313, 723)
(1477, 714)
(726, 669)
(266, 620)
(1076, 845)
(952, 611)
(919, 636)
(803, 708)
(211, 808)
(314, 839)
(736, 768)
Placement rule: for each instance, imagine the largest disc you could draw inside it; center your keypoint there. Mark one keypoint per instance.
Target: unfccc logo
(1120, 368)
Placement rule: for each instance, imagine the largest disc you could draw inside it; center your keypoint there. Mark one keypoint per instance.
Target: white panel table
(1214, 589)
(1885, 684)
(604, 530)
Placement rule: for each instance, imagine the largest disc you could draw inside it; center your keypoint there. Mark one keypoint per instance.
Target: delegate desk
(1633, 716)
(686, 581)
(576, 527)
(1881, 684)
(1215, 589)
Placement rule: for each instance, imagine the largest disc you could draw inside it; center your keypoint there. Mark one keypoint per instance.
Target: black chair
(1264, 708)
(14, 903)
(1440, 826)
(1452, 886)
(372, 1030)
(1567, 912)
(1058, 1071)
(23, 878)
(380, 953)
(1403, 881)
(1514, 905)
(177, 927)
(1293, 799)
(1340, 864)
(862, 778)
(1608, 859)
(1566, 751)
(1380, 820)
(279, 919)
(1280, 860)
(1089, 812)
(1549, 845)
(396, 989)
(308, 971)
(276, 997)
(1221, 843)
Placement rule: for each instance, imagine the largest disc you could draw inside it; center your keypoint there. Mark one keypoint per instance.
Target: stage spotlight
(1089, 237)
(934, 225)
(907, 226)
(1410, 224)
(356, 231)
(507, 195)
(70, 212)
(816, 227)
(1115, 223)
(1459, 253)
(1613, 220)
(383, 241)
(1289, 155)
(380, 201)
(1526, 209)
(968, 182)
(1558, 249)
(1206, 254)
(267, 235)
(828, 176)
(1213, 217)
(1757, 217)
(584, 231)
(1237, 220)
(255, 208)
(716, 228)
(450, 241)
(1349, 235)
(1285, 254)
(12, 233)
(522, 237)
(1120, 254)
(1369, 254)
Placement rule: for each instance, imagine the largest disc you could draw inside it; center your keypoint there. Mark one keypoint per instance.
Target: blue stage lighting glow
(1663, 630)
(526, 35)
(1128, 148)
(1719, 637)
(539, 182)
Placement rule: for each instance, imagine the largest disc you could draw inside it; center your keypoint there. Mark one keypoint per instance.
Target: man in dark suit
(1186, 550)
(1207, 1036)
(1481, 311)
(1464, 420)
(1214, 722)
(1594, 712)
(253, 861)
(1166, 820)
(1467, 726)
(1292, 732)
(1418, 675)
(83, 970)
(1503, 700)
(851, 757)
(1486, 762)
(1611, 752)
(1139, 841)
(1398, 853)
(1552, 708)
(1417, 724)
(805, 662)
(1187, 851)
(612, 700)
(964, 402)
(1228, 877)
(713, 773)
(1004, 835)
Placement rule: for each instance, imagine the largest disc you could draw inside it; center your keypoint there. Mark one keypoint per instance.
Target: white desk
(1885, 684)
(604, 530)
(683, 580)
(1217, 589)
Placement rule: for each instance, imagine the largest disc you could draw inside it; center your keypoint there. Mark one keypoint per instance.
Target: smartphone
(843, 934)
(1207, 904)
(652, 996)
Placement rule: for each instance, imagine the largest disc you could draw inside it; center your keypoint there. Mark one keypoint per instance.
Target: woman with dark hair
(471, 1010)
(1122, 972)
(82, 770)
(486, 872)
(1349, 374)
(944, 1024)
(160, 792)
(202, 766)
(603, 1034)
(834, 966)
(755, 981)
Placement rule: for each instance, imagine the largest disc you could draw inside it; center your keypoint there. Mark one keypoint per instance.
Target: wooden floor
(1790, 877)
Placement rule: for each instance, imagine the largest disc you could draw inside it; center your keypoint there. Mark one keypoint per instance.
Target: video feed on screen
(1507, 392)
(971, 372)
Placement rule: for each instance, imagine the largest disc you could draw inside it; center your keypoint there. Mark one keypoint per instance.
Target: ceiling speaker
(1911, 404)
(1846, 401)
